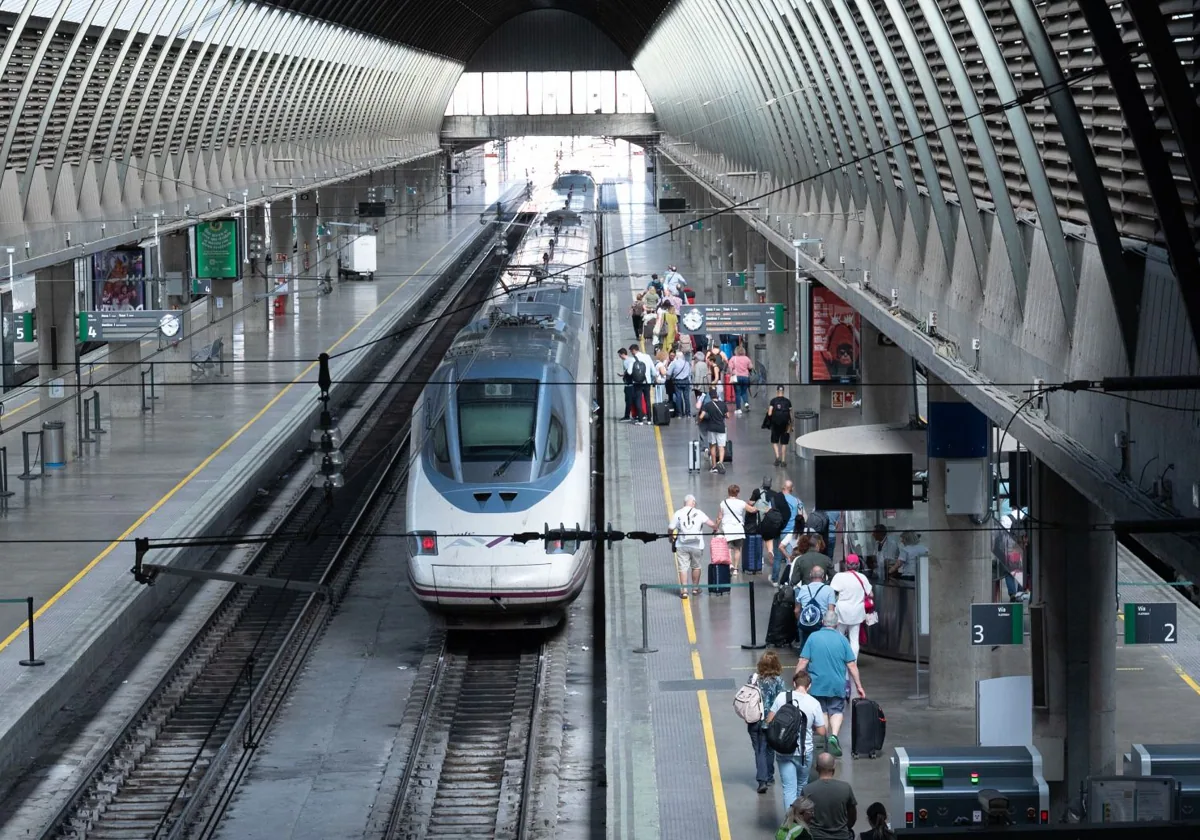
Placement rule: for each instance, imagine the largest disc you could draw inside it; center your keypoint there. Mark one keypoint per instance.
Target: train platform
(679, 761)
(186, 469)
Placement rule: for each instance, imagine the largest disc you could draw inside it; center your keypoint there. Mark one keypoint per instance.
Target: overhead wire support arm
(147, 573)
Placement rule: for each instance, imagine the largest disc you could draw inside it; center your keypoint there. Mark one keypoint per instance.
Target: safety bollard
(753, 624)
(28, 474)
(645, 648)
(32, 660)
(4, 491)
(148, 398)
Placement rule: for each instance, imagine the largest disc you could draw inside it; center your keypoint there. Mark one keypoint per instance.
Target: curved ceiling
(423, 24)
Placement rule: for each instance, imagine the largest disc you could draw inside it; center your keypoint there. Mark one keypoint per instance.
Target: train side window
(441, 450)
(554, 440)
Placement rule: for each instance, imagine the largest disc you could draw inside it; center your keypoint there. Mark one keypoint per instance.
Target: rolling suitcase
(781, 625)
(728, 451)
(689, 295)
(693, 456)
(752, 555)
(869, 728)
(718, 577)
(662, 414)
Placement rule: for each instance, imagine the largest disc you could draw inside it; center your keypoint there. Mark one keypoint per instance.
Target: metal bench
(208, 359)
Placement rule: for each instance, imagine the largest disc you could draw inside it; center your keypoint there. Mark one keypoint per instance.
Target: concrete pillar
(124, 391)
(886, 373)
(256, 306)
(959, 574)
(308, 251)
(1078, 722)
(57, 330)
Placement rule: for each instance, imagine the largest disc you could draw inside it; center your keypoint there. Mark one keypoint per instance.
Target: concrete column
(124, 391)
(959, 575)
(884, 368)
(256, 307)
(1079, 645)
(57, 330)
(308, 251)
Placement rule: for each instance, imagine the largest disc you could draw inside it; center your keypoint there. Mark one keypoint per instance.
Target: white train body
(502, 434)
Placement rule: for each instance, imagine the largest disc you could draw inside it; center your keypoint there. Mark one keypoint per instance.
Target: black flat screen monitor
(863, 482)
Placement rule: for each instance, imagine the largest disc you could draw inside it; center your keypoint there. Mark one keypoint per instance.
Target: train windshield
(497, 420)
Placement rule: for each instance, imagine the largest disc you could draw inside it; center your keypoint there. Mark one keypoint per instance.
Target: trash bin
(54, 445)
(805, 422)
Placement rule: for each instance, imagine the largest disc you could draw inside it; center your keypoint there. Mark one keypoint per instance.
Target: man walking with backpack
(813, 600)
(641, 372)
(711, 420)
(793, 719)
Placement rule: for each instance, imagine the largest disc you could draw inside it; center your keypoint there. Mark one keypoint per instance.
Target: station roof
(424, 23)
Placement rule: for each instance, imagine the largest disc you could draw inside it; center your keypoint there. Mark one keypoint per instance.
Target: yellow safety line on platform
(710, 739)
(141, 520)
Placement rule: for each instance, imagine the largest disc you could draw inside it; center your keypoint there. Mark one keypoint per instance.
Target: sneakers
(713, 471)
(835, 749)
(721, 469)
(762, 787)
(630, 420)
(777, 462)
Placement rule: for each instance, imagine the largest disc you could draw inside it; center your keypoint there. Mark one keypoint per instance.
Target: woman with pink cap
(854, 601)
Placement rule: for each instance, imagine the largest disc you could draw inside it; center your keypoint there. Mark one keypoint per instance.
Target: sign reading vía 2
(216, 249)
(734, 318)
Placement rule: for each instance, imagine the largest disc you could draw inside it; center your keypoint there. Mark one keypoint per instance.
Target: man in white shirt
(852, 588)
(674, 282)
(642, 405)
(687, 525)
(885, 550)
(793, 769)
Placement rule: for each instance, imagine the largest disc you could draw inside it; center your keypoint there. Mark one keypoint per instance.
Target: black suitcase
(752, 555)
(728, 451)
(662, 414)
(781, 626)
(718, 576)
(869, 728)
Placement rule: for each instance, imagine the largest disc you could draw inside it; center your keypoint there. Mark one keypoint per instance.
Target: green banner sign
(216, 249)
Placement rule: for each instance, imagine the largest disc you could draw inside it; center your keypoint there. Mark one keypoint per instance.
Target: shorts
(688, 557)
(832, 705)
(715, 438)
(780, 435)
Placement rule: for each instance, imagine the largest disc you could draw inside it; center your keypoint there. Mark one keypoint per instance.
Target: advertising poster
(118, 280)
(836, 339)
(217, 250)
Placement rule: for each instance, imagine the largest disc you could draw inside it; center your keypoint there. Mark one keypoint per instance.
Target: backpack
(793, 833)
(818, 523)
(748, 702)
(810, 613)
(639, 372)
(786, 728)
(772, 521)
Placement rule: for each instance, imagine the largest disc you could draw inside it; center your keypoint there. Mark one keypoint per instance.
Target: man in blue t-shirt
(828, 658)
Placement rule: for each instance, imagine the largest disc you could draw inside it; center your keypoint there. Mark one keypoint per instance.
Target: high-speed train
(505, 434)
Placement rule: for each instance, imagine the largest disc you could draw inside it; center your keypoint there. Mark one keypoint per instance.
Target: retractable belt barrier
(28, 602)
(674, 587)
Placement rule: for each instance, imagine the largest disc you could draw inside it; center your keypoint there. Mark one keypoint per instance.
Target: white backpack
(748, 702)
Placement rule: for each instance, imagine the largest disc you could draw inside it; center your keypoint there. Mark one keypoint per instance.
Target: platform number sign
(997, 624)
(1151, 624)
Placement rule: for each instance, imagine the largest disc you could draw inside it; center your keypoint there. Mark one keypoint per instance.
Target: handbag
(872, 617)
(862, 632)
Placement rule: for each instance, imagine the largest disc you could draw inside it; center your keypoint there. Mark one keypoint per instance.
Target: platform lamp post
(327, 439)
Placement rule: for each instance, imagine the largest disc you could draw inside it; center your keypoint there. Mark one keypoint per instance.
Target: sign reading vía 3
(735, 318)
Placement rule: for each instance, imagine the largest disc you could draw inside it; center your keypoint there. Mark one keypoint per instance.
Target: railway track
(175, 767)
(470, 771)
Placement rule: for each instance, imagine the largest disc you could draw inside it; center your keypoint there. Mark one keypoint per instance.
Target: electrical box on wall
(966, 487)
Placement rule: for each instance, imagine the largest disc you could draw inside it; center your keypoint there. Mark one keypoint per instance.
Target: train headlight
(562, 546)
(423, 543)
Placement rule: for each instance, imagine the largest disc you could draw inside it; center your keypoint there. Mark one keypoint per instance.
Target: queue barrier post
(4, 491)
(28, 474)
(645, 648)
(753, 623)
(32, 661)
